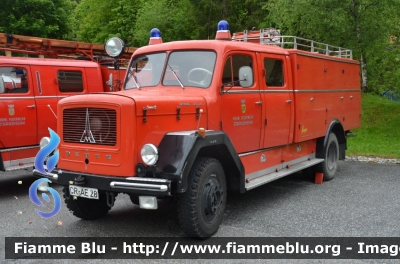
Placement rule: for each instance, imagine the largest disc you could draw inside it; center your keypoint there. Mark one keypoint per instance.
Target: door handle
(259, 102)
(288, 101)
(311, 99)
(31, 106)
(351, 97)
(342, 97)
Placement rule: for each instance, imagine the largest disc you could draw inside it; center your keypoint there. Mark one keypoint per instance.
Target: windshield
(183, 68)
(190, 68)
(145, 70)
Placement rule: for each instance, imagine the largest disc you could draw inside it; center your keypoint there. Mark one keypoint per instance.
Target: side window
(15, 80)
(273, 72)
(232, 66)
(70, 81)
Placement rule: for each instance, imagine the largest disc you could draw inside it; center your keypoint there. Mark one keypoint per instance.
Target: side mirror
(246, 76)
(2, 88)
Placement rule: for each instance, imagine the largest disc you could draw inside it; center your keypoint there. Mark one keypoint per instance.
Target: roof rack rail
(272, 36)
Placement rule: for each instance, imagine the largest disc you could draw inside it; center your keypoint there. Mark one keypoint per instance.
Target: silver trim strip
(139, 186)
(21, 148)
(259, 151)
(327, 91)
(17, 98)
(292, 91)
(30, 97)
(241, 91)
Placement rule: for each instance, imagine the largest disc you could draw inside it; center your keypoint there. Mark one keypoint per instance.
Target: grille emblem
(87, 135)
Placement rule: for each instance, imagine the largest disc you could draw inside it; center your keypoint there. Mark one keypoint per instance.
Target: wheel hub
(212, 198)
(331, 157)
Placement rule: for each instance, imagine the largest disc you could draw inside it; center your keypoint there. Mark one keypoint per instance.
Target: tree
(362, 25)
(176, 19)
(101, 19)
(41, 18)
(240, 14)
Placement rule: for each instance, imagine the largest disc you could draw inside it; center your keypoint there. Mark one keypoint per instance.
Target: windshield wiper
(176, 76)
(136, 81)
(131, 74)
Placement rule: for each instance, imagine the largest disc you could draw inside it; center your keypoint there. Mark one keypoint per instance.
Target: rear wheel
(201, 207)
(331, 158)
(87, 209)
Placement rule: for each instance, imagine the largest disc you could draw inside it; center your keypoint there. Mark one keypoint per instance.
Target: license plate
(89, 193)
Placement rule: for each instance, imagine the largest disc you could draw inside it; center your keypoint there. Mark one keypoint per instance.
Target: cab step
(266, 178)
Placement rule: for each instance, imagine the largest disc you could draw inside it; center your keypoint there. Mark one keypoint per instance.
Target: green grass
(379, 134)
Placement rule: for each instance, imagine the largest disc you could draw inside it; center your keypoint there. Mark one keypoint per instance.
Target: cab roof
(217, 45)
(47, 62)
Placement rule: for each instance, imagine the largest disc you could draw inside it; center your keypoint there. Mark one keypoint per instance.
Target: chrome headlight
(44, 142)
(149, 154)
(114, 47)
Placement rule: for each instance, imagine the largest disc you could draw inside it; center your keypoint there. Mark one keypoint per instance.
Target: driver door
(241, 111)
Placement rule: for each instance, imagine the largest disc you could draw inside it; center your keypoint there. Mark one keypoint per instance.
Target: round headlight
(149, 154)
(44, 142)
(114, 47)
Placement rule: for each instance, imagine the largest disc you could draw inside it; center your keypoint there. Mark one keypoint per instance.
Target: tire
(331, 157)
(201, 208)
(87, 209)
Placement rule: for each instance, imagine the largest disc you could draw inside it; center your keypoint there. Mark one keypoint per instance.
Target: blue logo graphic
(45, 152)
(51, 162)
(35, 198)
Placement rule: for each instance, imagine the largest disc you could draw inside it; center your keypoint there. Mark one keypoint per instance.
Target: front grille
(89, 125)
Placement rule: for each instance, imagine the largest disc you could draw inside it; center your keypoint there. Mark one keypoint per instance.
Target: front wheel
(201, 207)
(331, 158)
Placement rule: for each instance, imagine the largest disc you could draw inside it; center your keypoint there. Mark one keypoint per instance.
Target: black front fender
(178, 151)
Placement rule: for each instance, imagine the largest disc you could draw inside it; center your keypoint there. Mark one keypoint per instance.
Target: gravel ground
(372, 159)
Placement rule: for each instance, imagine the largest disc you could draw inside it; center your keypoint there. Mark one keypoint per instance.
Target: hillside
(379, 134)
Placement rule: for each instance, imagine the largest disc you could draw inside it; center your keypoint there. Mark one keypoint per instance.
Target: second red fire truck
(30, 88)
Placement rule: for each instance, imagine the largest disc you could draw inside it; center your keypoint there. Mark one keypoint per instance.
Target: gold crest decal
(11, 110)
(243, 106)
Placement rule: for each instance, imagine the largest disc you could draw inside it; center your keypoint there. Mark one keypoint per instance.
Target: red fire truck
(198, 118)
(31, 87)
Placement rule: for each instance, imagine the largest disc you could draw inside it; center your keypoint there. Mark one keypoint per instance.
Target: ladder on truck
(54, 48)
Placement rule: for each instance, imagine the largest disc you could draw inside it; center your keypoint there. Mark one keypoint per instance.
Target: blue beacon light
(223, 25)
(155, 33)
(155, 36)
(223, 32)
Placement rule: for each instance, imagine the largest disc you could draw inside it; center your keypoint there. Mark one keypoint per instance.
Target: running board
(266, 178)
(19, 167)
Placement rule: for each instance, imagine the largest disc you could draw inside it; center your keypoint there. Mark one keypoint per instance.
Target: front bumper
(129, 185)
